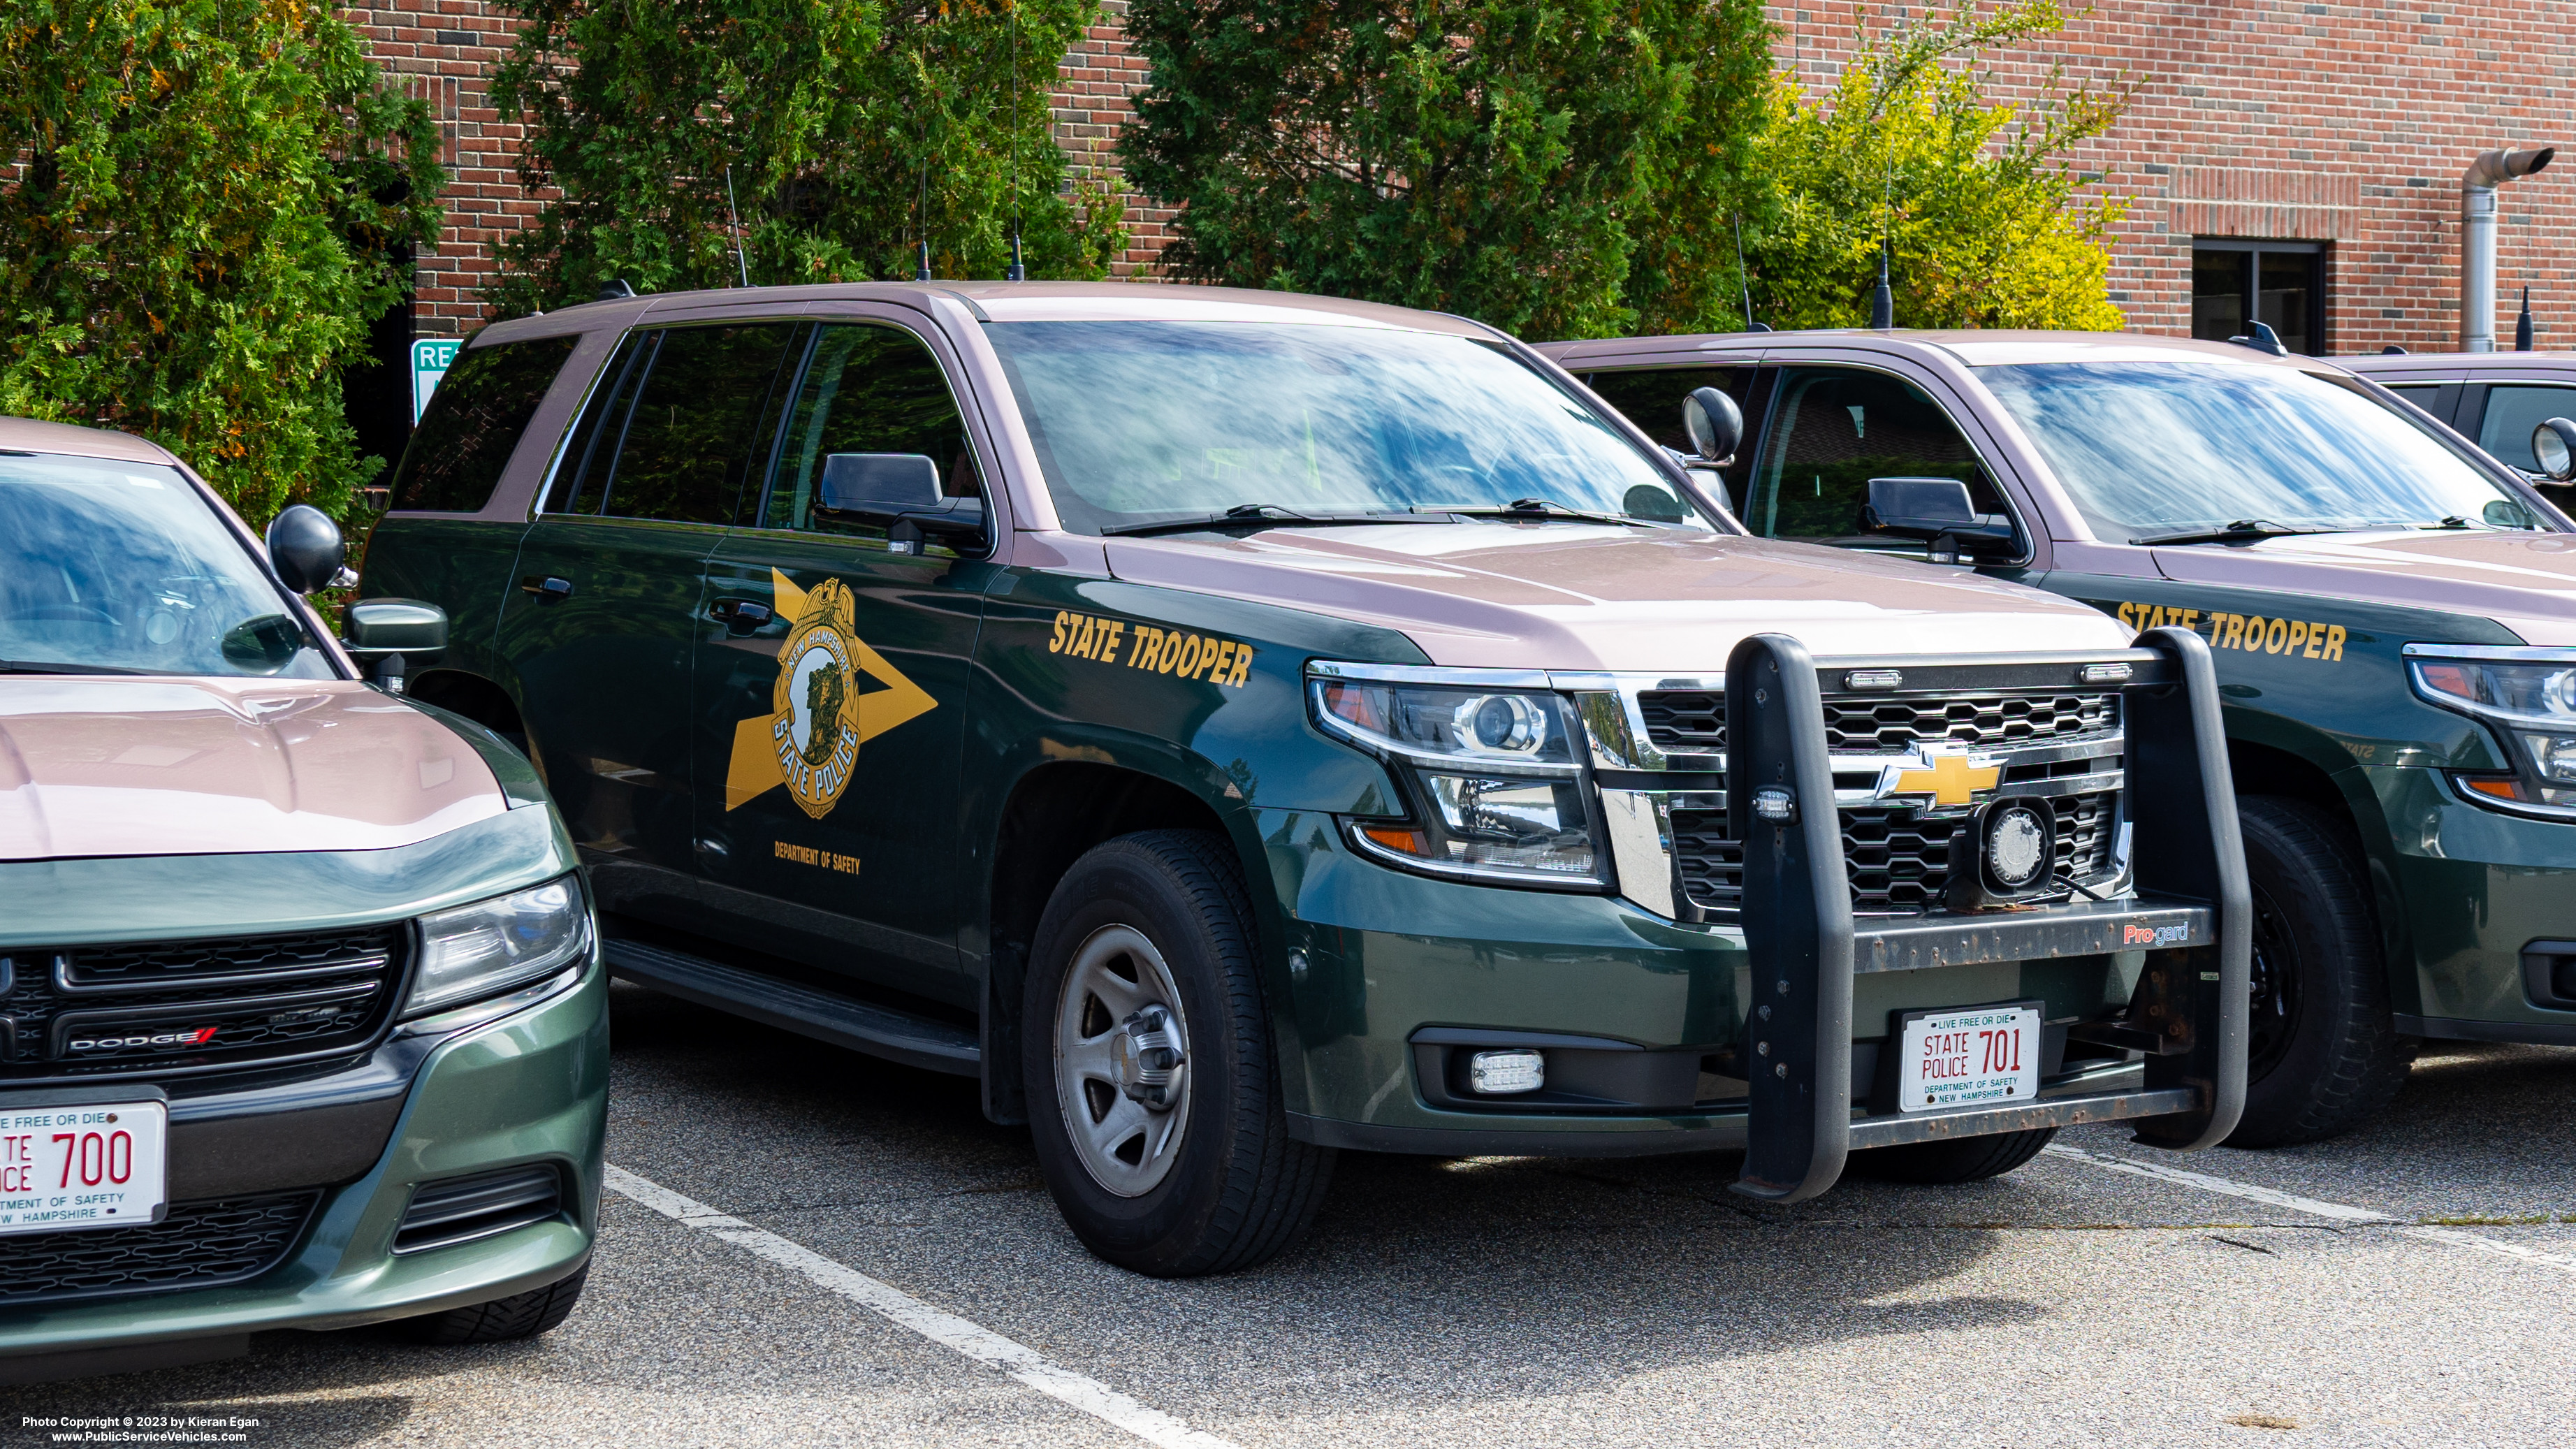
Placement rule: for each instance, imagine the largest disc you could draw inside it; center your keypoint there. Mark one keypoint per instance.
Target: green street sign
(430, 359)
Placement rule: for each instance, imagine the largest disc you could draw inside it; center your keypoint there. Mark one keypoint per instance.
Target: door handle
(740, 616)
(547, 588)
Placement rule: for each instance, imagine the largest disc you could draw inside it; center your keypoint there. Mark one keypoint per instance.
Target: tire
(1960, 1159)
(521, 1315)
(1170, 1169)
(2322, 1054)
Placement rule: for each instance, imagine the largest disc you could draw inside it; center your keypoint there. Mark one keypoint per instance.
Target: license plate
(95, 1165)
(1984, 1055)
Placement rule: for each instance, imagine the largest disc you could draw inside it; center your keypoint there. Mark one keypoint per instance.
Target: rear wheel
(1960, 1159)
(1162, 1137)
(521, 1315)
(2321, 1053)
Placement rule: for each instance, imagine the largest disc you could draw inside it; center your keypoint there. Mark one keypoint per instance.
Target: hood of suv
(2524, 581)
(1582, 596)
(112, 765)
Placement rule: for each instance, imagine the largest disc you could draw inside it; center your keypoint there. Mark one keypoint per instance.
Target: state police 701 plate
(90, 1165)
(1975, 1056)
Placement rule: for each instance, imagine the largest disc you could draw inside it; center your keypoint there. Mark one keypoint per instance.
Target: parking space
(1484, 1301)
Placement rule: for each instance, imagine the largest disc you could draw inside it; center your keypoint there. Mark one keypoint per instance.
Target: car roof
(1973, 347)
(998, 302)
(30, 435)
(2464, 364)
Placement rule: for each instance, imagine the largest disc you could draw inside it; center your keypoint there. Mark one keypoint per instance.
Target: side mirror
(304, 548)
(900, 492)
(1938, 511)
(387, 630)
(2554, 444)
(1714, 422)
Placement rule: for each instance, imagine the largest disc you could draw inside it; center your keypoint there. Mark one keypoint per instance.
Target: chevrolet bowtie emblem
(1951, 779)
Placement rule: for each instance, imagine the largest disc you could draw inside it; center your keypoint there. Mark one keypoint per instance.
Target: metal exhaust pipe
(2478, 238)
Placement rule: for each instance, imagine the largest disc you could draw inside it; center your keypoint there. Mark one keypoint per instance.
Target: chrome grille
(165, 1008)
(1898, 861)
(1686, 720)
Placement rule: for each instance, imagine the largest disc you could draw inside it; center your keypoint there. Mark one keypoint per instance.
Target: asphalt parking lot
(815, 1248)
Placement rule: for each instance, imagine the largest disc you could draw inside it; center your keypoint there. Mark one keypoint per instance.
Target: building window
(2282, 283)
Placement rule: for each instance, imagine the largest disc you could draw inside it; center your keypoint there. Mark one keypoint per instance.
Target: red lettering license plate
(1981, 1056)
(95, 1165)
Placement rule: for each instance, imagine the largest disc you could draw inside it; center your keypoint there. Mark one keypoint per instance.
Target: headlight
(1493, 776)
(491, 946)
(2528, 696)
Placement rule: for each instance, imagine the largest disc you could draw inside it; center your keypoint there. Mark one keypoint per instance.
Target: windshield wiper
(1265, 515)
(50, 666)
(2243, 530)
(1540, 508)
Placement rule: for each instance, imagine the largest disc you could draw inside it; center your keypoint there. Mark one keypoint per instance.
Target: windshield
(121, 568)
(2149, 449)
(1137, 422)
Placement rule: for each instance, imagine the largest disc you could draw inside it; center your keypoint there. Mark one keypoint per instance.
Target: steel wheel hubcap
(1122, 1061)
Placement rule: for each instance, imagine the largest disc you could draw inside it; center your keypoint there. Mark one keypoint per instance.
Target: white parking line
(2314, 1207)
(976, 1342)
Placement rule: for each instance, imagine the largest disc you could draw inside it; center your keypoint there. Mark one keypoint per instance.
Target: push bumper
(529, 1087)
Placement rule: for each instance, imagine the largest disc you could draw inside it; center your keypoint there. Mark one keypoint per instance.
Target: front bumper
(1379, 960)
(529, 1087)
(2480, 887)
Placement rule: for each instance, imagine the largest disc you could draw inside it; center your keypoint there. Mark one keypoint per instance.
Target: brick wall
(2341, 123)
(443, 51)
(2346, 124)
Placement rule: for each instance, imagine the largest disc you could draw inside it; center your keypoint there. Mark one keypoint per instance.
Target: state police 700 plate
(1974, 1056)
(89, 1165)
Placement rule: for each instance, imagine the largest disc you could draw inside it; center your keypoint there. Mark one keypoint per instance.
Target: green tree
(1986, 223)
(197, 230)
(844, 123)
(1543, 165)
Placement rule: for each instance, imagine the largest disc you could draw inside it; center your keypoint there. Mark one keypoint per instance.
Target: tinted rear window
(473, 423)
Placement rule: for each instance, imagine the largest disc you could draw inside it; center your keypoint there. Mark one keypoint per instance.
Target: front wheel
(521, 1315)
(2321, 1052)
(1158, 1124)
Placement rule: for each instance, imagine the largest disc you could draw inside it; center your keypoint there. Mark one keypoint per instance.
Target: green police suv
(1235, 726)
(302, 1022)
(2392, 611)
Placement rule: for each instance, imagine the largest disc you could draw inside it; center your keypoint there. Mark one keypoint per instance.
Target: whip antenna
(735, 217)
(1017, 273)
(921, 216)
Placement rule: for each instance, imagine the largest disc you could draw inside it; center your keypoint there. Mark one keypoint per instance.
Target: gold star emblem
(814, 753)
(1951, 779)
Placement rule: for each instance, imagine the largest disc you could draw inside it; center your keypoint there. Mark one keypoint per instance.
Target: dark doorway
(375, 395)
(2283, 283)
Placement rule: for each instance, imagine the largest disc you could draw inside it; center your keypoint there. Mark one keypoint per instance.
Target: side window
(1835, 428)
(473, 424)
(2514, 411)
(688, 441)
(590, 454)
(867, 389)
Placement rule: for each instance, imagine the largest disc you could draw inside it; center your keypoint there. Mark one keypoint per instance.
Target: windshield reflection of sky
(2148, 448)
(1143, 420)
(122, 566)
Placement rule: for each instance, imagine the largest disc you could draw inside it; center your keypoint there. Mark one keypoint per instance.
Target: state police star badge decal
(818, 718)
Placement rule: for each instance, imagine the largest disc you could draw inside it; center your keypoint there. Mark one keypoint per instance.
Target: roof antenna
(735, 218)
(1017, 273)
(921, 216)
(1882, 303)
(2522, 328)
(1742, 283)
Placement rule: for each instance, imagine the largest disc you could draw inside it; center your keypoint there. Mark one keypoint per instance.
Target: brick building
(2299, 161)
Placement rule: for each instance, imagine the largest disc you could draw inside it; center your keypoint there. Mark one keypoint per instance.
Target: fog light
(2016, 846)
(1497, 1073)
